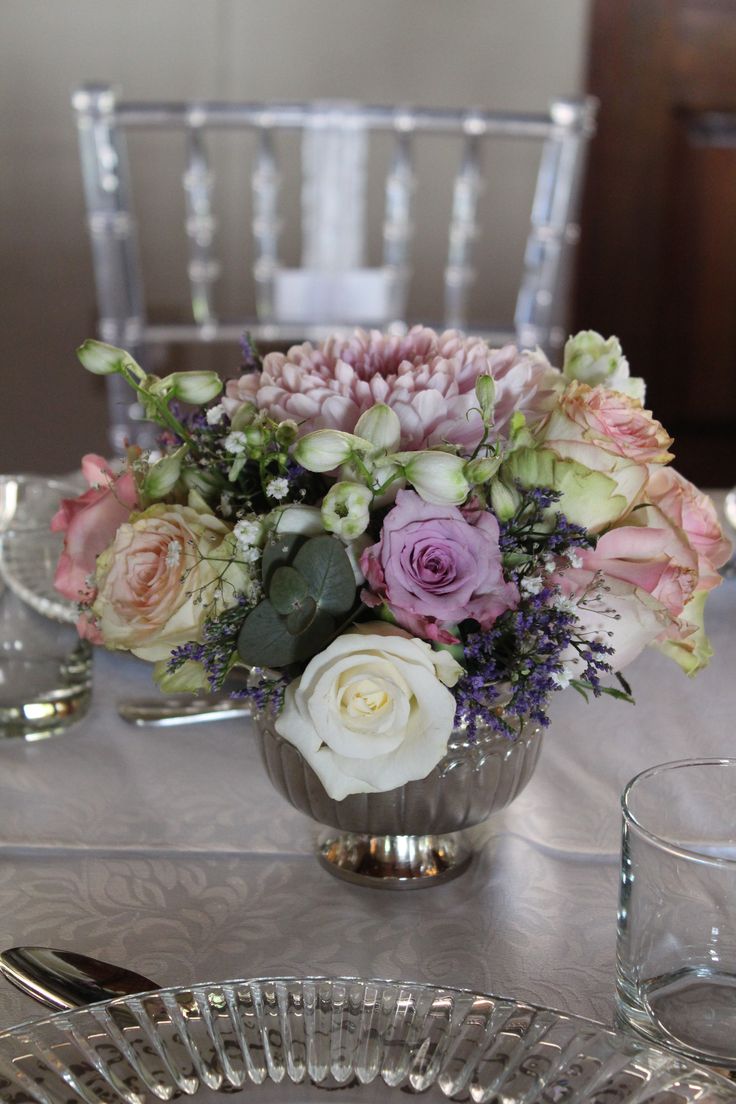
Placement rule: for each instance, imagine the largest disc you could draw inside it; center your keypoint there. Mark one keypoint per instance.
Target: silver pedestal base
(395, 862)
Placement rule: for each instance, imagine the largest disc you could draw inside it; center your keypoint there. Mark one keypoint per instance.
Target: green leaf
(324, 564)
(303, 620)
(625, 684)
(288, 590)
(583, 686)
(619, 695)
(265, 640)
(308, 591)
(279, 550)
(578, 685)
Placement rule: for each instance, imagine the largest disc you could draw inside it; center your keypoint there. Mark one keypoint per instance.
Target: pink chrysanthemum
(427, 378)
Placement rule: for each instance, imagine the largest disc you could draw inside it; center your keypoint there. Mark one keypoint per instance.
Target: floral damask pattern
(178, 859)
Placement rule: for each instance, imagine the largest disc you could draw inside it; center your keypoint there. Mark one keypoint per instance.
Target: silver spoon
(64, 979)
(177, 711)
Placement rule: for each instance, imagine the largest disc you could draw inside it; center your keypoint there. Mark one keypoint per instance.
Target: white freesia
(346, 509)
(381, 426)
(326, 449)
(102, 359)
(295, 518)
(505, 500)
(370, 713)
(193, 387)
(437, 476)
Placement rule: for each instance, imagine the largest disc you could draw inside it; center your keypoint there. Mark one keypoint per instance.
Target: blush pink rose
(653, 558)
(694, 514)
(630, 590)
(613, 421)
(89, 523)
(613, 612)
(435, 567)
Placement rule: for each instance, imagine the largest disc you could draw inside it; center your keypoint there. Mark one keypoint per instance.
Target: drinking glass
(676, 961)
(45, 669)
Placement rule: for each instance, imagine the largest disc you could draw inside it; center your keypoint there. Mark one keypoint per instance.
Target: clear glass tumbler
(45, 669)
(676, 962)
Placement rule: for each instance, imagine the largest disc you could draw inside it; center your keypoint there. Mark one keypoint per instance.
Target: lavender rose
(434, 567)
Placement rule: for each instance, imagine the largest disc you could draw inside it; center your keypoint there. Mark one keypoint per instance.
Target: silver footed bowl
(406, 838)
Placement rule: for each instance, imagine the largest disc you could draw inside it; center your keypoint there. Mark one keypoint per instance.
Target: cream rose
(372, 711)
(164, 574)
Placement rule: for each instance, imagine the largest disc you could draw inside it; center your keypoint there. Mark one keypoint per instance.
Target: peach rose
(694, 514)
(89, 523)
(164, 574)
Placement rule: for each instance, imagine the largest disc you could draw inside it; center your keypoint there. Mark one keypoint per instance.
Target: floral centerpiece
(402, 534)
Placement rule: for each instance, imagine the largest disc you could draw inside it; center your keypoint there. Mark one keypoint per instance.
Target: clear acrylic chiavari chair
(333, 288)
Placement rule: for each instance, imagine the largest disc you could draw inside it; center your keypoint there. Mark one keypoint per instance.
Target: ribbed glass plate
(296, 1039)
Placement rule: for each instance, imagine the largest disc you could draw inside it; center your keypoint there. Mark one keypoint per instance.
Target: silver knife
(182, 710)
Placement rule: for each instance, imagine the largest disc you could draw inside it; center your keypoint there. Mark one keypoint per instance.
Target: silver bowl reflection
(405, 838)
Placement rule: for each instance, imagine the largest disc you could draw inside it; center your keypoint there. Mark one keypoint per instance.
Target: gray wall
(512, 54)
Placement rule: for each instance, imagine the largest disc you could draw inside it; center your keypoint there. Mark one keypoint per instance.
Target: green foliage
(309, 589)
(584, 688)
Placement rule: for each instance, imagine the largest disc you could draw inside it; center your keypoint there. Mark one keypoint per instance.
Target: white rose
(164, 574)
(372, 711)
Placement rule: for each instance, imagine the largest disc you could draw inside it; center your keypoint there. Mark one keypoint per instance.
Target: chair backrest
(333, 289)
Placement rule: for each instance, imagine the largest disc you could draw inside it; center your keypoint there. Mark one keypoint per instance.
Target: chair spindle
(113, 235)
(398, 227)
(203, 269)
(265, 184)
(464, 228)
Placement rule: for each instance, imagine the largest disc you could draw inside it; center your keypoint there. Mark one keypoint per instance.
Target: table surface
(168, 851)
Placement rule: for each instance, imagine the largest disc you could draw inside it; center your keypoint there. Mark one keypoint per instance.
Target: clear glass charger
(297, 1038)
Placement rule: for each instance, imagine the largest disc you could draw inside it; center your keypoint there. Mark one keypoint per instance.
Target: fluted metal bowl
(400, 837)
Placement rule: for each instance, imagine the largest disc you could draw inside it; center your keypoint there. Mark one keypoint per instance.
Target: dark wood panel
(657, 260)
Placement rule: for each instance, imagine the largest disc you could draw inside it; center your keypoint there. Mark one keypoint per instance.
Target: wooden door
(657, 262)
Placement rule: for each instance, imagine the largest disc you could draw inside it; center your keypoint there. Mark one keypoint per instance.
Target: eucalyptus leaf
(279, 550)
(326, 568)
(265, 639)
(288, 590)
(302, 620)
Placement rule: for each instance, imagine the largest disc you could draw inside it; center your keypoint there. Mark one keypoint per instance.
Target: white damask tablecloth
(167, 850)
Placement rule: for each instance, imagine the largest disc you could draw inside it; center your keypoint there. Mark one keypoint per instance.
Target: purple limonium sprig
(523, 655)
(265, 694)
(513, 668)
(218, 647)
(530, 530)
